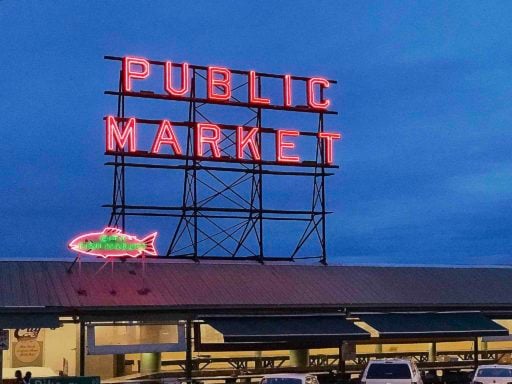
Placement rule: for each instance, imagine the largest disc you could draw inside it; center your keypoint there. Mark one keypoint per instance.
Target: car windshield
(388, 371)
(494, 372)
(281, 380)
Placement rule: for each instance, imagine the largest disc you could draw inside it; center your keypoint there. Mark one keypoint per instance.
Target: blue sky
(424, 98)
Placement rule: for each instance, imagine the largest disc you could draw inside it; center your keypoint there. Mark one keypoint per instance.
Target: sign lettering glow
(112, 242)
(219, 83)
(121, 133)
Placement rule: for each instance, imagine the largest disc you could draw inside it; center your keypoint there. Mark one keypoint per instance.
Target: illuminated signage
(112, 242)
(121, 133)
(219, 84)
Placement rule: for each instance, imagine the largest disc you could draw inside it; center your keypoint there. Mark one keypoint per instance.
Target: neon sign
(121, 133)
(206, 140)
(219, 83)
(112, 242)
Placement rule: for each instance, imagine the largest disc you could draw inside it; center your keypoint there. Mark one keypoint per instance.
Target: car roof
(391, 361)
(289, 375)
(496, 366)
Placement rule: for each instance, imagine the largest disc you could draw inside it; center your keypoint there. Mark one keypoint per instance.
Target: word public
(219, 84)
(121, 134)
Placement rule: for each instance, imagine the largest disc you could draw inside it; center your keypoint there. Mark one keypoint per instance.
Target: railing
(327, 362)
(491, 354)
(238, 363)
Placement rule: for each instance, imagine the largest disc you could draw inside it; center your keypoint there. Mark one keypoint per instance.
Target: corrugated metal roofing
(174, 285)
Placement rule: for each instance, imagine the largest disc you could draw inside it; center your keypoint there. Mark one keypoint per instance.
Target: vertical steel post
(123, 179)
(341, 361)
(323, 260)
(1, 366)
(118, 190)
(194, 171)
(81, 356)
(432, 352)
(184, 219)
(483, 347)
(475, 351)
(188, 357)
(260, 181)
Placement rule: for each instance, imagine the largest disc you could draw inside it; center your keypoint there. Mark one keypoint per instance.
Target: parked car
(391, 371)
(493, 374)
(289, 378)
(455, 376)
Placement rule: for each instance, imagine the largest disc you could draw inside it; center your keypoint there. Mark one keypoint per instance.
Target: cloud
(489, 187)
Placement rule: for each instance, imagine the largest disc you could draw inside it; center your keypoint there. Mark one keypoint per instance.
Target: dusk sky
(424, 96)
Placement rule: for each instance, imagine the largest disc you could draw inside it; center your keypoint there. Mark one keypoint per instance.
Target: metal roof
(214, 286)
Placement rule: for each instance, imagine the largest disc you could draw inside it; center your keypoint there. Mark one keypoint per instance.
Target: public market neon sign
(121, 133)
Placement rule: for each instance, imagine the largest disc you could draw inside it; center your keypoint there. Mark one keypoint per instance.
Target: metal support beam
(432, 352)
(1, 366)
(188, 355)
(475, 351)
(81, 356)
(341, 361)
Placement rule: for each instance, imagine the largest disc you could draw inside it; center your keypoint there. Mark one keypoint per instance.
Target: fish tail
(149, 241)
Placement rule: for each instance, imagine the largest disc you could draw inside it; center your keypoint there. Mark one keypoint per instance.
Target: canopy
(28, 320)
(286, 328)
(408, 325)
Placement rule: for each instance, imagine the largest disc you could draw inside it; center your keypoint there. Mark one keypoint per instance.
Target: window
(494, 372)
(388, 371)
(282, 380)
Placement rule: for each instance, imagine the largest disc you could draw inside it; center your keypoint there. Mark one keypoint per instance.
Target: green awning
(286, 328)
(417, 325)
(28, 320)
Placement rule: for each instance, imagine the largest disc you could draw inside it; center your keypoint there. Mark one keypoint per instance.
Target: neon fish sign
(112, 242)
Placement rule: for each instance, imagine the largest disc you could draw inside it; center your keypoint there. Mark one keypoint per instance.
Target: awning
(429, 325)
(286, 328)
(28, 320)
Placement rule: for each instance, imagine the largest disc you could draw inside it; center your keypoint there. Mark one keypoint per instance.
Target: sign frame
(191, 239)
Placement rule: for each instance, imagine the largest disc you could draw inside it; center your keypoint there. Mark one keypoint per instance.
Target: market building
(198, 319)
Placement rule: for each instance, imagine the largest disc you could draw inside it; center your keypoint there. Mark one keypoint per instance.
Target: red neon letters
(248, 141)
(130, 73)
(165, 135)
(212, 140)
(329, 137)
(287, 91)
(323, 83)
(215, 84)
(185, 80)
(219, 84)
(253, 91)
(281, 145)
(216, 141)
(116, 139)
(207, 141)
